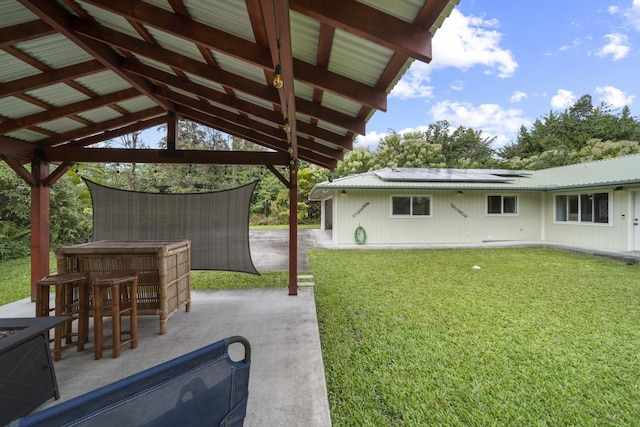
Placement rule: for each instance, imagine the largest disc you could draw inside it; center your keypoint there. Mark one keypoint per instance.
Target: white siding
(464, 222)
(612, 236)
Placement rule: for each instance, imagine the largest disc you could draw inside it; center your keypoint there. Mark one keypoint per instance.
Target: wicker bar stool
(115, 295)
(71, 299)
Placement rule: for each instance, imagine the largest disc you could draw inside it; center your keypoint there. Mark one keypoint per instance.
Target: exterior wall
(616, 235)
(456, 218)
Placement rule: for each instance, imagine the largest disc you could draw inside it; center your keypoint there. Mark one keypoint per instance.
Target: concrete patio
(287, 383)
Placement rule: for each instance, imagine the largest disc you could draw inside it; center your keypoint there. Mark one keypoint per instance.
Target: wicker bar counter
(164, 270)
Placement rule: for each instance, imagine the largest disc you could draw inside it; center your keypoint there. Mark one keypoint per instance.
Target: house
(595, 204)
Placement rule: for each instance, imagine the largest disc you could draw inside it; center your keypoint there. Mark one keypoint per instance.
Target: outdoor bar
(163, 267)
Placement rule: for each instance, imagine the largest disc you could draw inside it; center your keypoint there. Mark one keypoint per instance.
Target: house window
(583, 208)
(410, 206)
(502, 205)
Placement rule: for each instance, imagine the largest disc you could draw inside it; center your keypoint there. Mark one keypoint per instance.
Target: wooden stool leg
(60, 329)
(116, 317)
(83, 316)
(134, 313)
(67, 292)
(97, 323)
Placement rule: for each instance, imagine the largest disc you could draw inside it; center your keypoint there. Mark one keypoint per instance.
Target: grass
(536, 337)
(216, 280)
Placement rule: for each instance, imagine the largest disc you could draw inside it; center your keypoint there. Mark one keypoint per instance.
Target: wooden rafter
(400, 36)
(59, 19)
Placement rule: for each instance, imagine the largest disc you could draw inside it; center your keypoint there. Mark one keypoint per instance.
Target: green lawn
(535, 337)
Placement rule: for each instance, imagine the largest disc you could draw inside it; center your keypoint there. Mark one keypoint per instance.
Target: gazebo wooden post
(293, 229)
(39, 223)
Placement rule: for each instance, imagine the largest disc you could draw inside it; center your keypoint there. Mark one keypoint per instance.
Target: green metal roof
(619, 171)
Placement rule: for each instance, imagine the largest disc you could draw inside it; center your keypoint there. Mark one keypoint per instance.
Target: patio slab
(287, 383)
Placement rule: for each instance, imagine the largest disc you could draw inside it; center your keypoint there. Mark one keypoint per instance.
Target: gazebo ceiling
(75, 73)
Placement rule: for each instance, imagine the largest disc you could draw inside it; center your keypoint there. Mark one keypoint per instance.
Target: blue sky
(501, 64)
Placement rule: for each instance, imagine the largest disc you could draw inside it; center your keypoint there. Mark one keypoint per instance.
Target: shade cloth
(216, 223)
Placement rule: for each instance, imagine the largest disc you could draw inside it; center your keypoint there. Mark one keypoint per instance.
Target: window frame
(573, 211)
(411, 198)
(502, 204)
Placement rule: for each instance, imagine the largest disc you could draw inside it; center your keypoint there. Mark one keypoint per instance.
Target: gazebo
(299, 77)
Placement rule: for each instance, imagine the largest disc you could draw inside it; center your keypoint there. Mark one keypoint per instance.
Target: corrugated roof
(212, 62)
(618, 171)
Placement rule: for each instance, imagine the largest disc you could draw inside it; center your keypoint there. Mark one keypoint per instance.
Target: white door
(636, 222)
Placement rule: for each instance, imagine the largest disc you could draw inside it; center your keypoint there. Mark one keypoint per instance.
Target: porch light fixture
(344, 192)
(286, 126)
(277, 79)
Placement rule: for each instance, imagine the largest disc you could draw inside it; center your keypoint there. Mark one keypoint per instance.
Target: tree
(410, 150)
(359, 160)
(466, 148)
(562, 136)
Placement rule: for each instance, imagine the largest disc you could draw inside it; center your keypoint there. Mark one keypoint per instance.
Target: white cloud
(563, 99)
(457, 85)
(413, 84)
(462, 42)
(370, 140)
(633, 14)
(518, 96)
(467, 41)
(617, 47)
(614, 96)
(491, 119)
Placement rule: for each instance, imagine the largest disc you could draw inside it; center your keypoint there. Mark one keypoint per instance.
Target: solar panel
(447, 175)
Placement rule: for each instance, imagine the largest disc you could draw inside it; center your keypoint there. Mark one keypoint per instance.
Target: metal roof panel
(13, 68)
(110, 20)
(58, 94)
(103, 82)
(371, 58)
(305, 44)
(15, 108)
(55, 51)
(136, 104)
(61, 125)
(176, 44)
(230, 16)
(98, 115)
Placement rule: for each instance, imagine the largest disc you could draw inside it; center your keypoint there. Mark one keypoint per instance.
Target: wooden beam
(278, 31)
(227, 115)
(21, 171)
(125, 155)
(40, 220)
(280, 177)
(10, 147)
(104, 131)
(340, 85)
(174, 60)
(57, 174)
(24, 32)
(66, 110)
(50, 77)
(334, 83)
(185, 28)
(172, 130)
(251, 135)
(59, 19)
(370, 24)
(212, 95)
